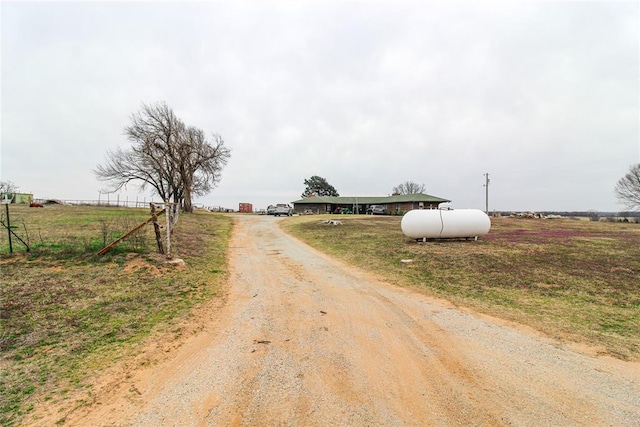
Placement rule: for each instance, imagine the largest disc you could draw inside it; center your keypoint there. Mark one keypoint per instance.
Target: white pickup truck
(283, 209)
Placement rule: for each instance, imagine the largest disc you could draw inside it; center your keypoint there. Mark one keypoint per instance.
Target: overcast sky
(543, 96)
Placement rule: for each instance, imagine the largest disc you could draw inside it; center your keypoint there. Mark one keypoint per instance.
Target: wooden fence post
(156, 228)
(9, 228)
(167, 210)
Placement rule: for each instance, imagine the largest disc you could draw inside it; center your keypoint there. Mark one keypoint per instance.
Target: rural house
(395, 205)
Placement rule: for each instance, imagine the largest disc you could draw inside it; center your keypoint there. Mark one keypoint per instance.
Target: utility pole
(486, 193)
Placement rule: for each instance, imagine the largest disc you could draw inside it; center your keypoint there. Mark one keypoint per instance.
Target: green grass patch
(66, 313)
(575, 280)
(61, 232)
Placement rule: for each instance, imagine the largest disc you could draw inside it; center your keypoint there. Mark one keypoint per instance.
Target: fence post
(167, 214)
(156, 228)
(6, 207)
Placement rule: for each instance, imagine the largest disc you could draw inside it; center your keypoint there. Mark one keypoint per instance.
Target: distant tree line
(176, 160)
(319, 186)
(409, 187)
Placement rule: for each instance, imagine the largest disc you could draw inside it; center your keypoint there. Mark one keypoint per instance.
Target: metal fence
(125, 203)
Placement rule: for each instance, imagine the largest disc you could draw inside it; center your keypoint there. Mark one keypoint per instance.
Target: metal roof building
(397, 204)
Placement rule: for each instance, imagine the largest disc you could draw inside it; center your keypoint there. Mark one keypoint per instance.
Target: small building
(395, 205)
(18, 198)
(245, 208)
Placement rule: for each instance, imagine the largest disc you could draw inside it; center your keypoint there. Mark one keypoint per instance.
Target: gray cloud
(543, 96)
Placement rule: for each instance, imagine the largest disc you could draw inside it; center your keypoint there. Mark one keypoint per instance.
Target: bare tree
(177, 161)
(153, 132)
(122, 167)
(7, 187)
(200, 164)
(627, 190)
(409, 187)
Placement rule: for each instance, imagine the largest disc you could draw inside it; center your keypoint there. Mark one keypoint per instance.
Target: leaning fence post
(129, 233)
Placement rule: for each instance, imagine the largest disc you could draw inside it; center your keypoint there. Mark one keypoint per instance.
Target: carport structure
(395, 205)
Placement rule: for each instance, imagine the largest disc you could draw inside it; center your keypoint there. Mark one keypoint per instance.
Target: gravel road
(307, 340)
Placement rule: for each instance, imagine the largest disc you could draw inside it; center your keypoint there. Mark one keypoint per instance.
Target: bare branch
(7, 187)
(409, 187)
(176, 160)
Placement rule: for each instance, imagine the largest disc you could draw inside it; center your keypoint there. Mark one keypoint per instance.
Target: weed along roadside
(66, 313)
(572, 280)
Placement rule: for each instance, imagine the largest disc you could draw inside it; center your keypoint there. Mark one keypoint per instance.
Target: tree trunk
(188, 206)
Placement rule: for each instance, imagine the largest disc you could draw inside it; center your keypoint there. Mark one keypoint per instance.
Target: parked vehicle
(344, 211)
(283, 209)
(376, 210)
(271, 210)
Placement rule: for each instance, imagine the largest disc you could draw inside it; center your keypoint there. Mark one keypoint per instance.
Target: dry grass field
(66, 313)
(573, 280)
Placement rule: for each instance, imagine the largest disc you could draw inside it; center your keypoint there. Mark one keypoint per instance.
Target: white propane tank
(445, 224)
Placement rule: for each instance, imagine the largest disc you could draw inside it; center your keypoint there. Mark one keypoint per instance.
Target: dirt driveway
(306, 340)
